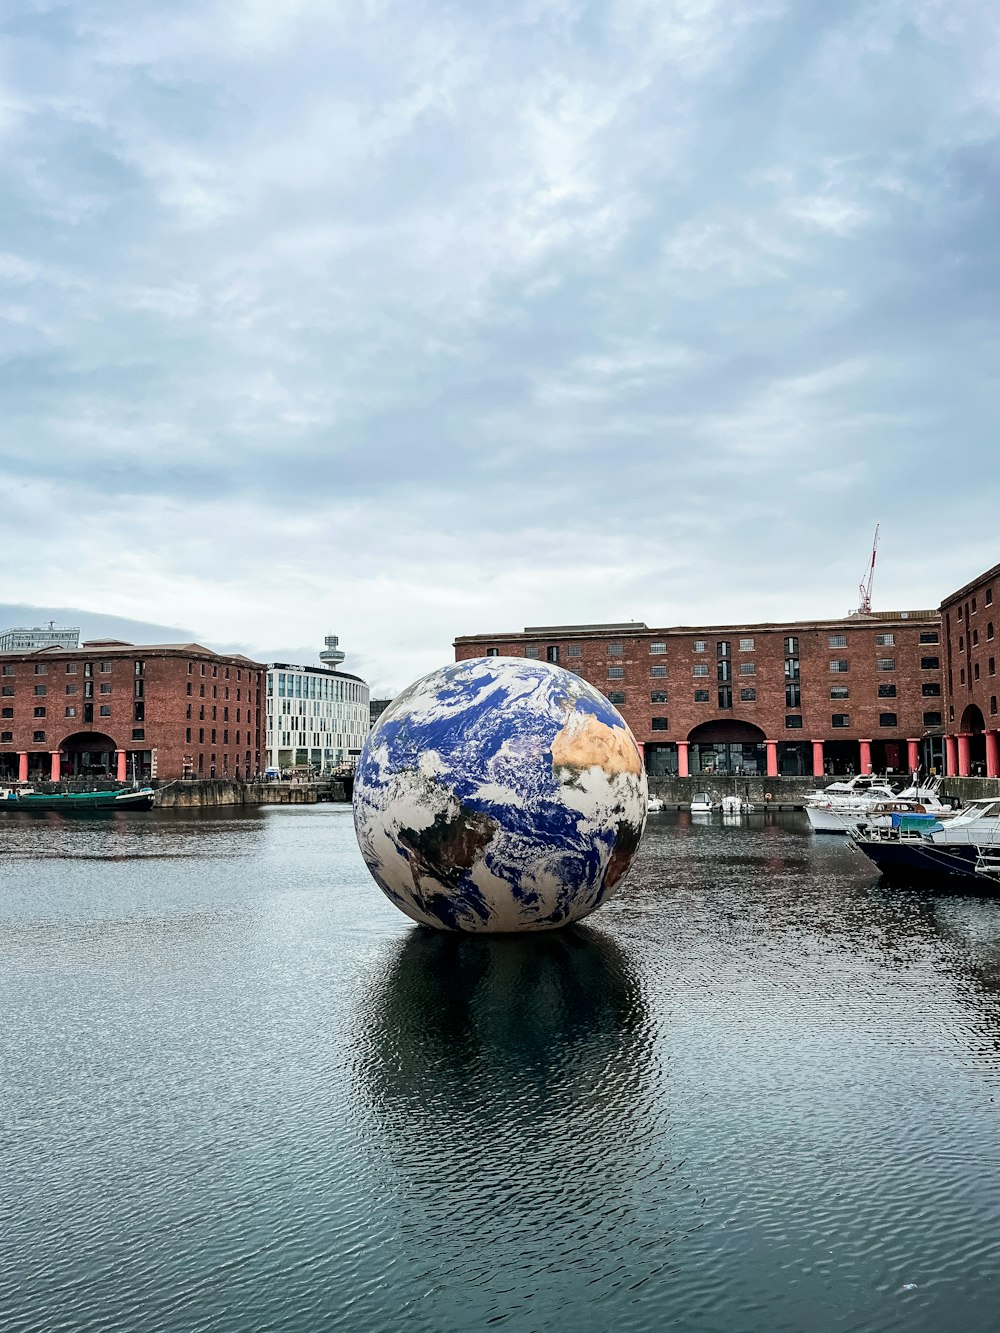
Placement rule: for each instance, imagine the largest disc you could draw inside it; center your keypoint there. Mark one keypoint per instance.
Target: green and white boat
(75, 802)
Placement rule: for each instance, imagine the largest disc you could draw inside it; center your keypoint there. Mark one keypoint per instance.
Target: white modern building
(24, 638)
(317, 717)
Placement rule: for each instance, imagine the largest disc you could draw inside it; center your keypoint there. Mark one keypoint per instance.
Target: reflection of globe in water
(478, 1024)
(497, 795)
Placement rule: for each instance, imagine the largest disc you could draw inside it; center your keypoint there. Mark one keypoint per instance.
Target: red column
(639, 745)
(682, 759)
(963, 754)
(22, 766)
(122, 765)
(992, 755)
(866, 756)
(950, 756)
(913, 755)
(772, 759)
(54, 777)
(817, 759)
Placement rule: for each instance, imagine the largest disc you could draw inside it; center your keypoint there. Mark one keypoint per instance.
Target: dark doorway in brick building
(932, 753)
(661, 760)
(727, 746)
(794, 759)
(88, 754)
(889, 756)
(974, 726)
(841, 758)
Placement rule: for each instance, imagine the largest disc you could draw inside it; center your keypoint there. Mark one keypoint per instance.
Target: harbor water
(758, 1091)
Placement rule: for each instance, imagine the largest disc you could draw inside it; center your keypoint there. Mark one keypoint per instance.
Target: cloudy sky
(406, 320)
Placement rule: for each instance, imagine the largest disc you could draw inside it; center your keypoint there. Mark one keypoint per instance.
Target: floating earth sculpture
(499, 794)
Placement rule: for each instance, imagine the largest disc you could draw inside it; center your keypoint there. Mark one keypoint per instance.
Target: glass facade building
(316, 718)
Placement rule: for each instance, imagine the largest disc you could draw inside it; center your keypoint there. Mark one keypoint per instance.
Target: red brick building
(826, 696)
(969, 618)
(155, 710)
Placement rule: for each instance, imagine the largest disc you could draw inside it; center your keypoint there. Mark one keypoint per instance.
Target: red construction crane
(865, 586)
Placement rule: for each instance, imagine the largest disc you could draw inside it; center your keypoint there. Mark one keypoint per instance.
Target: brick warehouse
(827, 696)
(154, 710)
(969, 618)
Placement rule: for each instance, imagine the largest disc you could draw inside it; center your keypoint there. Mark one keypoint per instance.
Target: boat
(843, 805)
(654, 805)
(966, 847)
(76, 802)
(736, 805)
(850, 789)
(702, 803)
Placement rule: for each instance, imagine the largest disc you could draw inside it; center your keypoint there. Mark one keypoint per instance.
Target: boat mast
(865, 586)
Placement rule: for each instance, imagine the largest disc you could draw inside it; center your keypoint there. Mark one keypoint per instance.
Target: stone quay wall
(220, 792)
(970, 789)
(783, 791)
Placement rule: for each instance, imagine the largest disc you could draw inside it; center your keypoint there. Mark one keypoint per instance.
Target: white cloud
(403, 322)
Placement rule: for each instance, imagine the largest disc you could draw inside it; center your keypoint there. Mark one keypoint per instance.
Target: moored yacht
(843, 805)
(966, 847)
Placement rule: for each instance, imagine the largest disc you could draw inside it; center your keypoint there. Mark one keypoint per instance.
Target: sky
(403, 321)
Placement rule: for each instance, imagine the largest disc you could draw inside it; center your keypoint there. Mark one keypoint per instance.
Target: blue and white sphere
(499, 795)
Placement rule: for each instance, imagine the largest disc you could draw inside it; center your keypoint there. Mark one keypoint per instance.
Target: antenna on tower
(865, 586)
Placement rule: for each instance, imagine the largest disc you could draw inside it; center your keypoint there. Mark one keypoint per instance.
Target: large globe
(499, 795)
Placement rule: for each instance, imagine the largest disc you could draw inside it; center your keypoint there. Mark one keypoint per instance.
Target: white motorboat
(965, 849)
(842, 806)
(977, 825)
(702, 803)
(736, 805)
(654, 806)
(851, 790)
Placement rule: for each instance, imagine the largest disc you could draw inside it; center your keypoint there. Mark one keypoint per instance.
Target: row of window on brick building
(72, 668)
(105, 668)
(74, 710)
(794, 721)
(723, 651)
(968, 639)
(748, 694)
(971, 609)
(86, 712)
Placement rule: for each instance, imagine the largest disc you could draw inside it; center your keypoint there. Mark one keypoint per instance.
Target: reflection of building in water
(514, 1081)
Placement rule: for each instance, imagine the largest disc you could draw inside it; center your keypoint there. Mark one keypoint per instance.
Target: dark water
(240, 1092)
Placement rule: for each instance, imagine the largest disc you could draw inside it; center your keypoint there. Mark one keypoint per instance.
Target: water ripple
(238, 1091)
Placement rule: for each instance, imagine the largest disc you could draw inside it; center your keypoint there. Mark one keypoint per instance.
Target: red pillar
(913, 755)
(22, 766)
(122, 765)
(817, 759)
(682, 759)
(963, 754)
(866, 756)
(992, 755)
(639, 745)
(772, 759)
(54, 776)
(950, 756)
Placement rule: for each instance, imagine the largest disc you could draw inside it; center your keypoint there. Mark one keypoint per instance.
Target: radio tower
(332, 656)
(865, 586)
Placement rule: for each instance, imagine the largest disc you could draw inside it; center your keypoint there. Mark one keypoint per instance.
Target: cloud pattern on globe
(499, 795)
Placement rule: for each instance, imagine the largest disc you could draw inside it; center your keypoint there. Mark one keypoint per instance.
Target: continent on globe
(499, 794)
